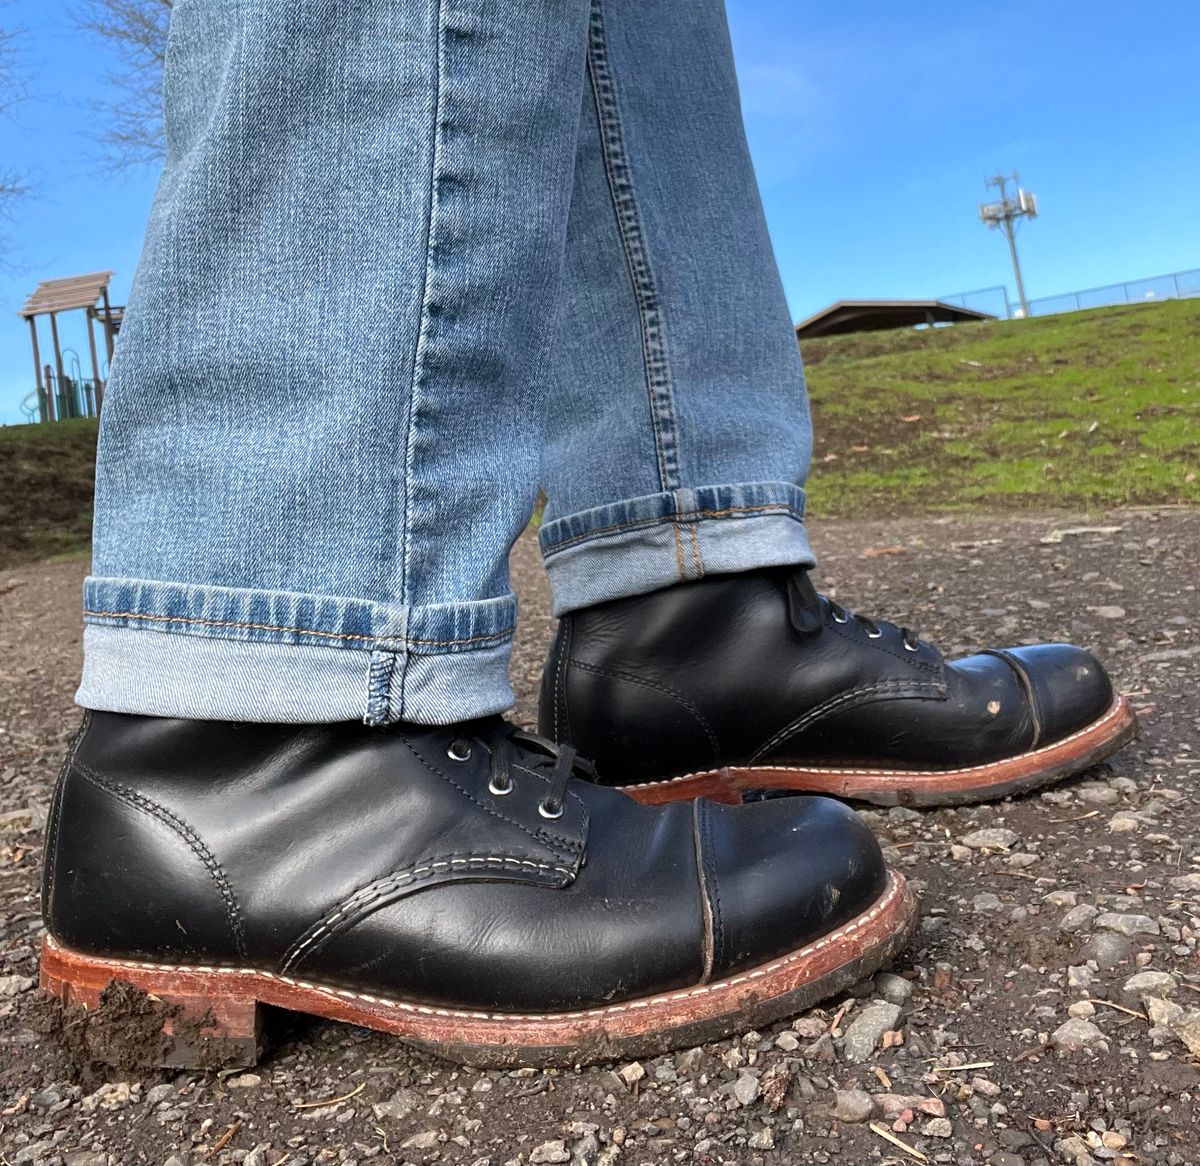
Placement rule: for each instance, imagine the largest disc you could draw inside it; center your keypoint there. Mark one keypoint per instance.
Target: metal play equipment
(63, 392)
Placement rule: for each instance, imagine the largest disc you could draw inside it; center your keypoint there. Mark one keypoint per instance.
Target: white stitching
(895, 890)
(1118, 707)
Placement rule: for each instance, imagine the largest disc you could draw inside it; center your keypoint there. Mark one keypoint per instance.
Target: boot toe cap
(1069, 687)
(784, 873)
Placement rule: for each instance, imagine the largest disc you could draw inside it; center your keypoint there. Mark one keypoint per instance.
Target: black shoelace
(510, 747)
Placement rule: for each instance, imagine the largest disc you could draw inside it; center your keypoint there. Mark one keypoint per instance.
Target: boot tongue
(804, 605)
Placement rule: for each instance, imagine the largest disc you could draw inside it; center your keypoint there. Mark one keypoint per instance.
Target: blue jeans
(407, 262)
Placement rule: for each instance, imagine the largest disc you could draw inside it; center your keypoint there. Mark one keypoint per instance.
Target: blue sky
(872, 126)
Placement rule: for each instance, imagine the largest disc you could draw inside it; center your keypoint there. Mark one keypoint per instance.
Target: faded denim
(406, 263)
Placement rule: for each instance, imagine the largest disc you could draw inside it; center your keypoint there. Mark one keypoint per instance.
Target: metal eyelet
(841, 618)
(500, 791)
(459, 751)
(874, 635)
(911, 647)
(548, 811)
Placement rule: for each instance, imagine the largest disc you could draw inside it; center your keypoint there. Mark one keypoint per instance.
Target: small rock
(632, 1073)
(1108, 949)
(852, 1105)
(1128, 924)
(425, 1140)
(244, 1081)
(894, 989)
(986, 902)
(764, 1139)
(985, 1087)
(157, 1094)
(113, 1096)
(938, 1127)
(397, 1107)
(991, 838)
(866, 1031)
(746, 1089)
(787, 1042)
(1108, 611)
(1076, 1034)
(1084, 1008)
(1162, 1013)
(15, 985)
(1188, 1031)
(1077, 918)
(1150, 984)
(552, 1151)
(1188, 883)
(1123, 823)
(1080, 976)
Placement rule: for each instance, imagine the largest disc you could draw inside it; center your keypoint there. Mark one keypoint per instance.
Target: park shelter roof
(64, 295)
(876, 315)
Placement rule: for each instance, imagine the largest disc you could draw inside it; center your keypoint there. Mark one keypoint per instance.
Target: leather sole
(211, 1017)
(913, 787)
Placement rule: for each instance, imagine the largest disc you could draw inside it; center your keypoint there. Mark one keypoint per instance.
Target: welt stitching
(379, 888)
(170, 820)
(564, 650)
(666, 690)
(473, 799)
(701, 513)
(915, 687)
(266, 627)
(617, 168)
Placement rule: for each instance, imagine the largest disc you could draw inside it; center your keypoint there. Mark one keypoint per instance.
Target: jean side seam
(421, 348)
(655, 354)
(692, 516)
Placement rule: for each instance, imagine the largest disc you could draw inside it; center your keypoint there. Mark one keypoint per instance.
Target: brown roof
(875, 315)
(63, 295)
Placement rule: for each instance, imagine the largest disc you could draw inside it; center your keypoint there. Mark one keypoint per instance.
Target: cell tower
(1005, 213)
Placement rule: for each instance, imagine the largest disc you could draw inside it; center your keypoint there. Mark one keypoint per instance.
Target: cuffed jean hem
(643, 544)
(216, 653)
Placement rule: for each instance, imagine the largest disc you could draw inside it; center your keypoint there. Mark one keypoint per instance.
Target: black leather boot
(459, 887)
(754, 681)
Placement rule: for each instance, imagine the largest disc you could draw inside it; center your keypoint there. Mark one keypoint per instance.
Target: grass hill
(1082, 411)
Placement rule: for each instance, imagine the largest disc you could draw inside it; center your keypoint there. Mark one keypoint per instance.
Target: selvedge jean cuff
(643, 544)
(176, 650)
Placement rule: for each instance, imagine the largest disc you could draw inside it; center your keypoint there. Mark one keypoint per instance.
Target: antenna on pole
(1004, 214)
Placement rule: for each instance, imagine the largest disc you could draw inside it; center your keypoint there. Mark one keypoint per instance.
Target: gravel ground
(1049, 1011)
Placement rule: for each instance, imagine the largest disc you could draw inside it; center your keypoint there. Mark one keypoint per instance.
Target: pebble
(1127, 924)
(938, 1127)
(425, 1140)
(632, 1073)
(764, 1139)
(553, 1151)
(15, 985)
(991, 838)
(894, 989)
(1076, 1034)
(852, 1105)
(746, 1089)
(244, 1081)
(1077, 918)
(1150, 984)
(986, 902)
(1107, 949)
(867, 1029)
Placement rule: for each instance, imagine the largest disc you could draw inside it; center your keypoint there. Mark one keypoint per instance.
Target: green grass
(1083, 411)
(46, 482)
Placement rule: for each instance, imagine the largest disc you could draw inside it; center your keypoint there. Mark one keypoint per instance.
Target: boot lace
(512, 748)
(912, 641)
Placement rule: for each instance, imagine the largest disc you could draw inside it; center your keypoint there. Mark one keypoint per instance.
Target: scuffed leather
(752, 669)
(367, 858)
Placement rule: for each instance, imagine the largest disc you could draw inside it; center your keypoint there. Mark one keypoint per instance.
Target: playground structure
(63, 391)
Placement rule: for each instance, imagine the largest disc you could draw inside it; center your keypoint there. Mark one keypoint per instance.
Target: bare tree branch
(136, 31)
(13, 183)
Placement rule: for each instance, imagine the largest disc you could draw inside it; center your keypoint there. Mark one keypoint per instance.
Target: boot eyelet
(841, 618)
(874, 635)
(459, 751)
(500, 791)
(911, 647)
(549, 811)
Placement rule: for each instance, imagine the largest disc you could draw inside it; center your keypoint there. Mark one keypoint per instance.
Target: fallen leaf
(879, 552)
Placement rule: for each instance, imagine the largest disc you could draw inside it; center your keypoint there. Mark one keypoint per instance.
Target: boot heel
(136, 1015)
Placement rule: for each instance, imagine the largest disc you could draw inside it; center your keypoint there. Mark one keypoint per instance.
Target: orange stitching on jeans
(786, 507)
(266, 627)
(696, 549)
(678, 551)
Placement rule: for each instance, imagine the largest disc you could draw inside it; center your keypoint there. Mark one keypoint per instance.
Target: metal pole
(1012, 248)
(51, 396)
(58, 364)
(108, 336)
(37, 369)
(98, 388)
